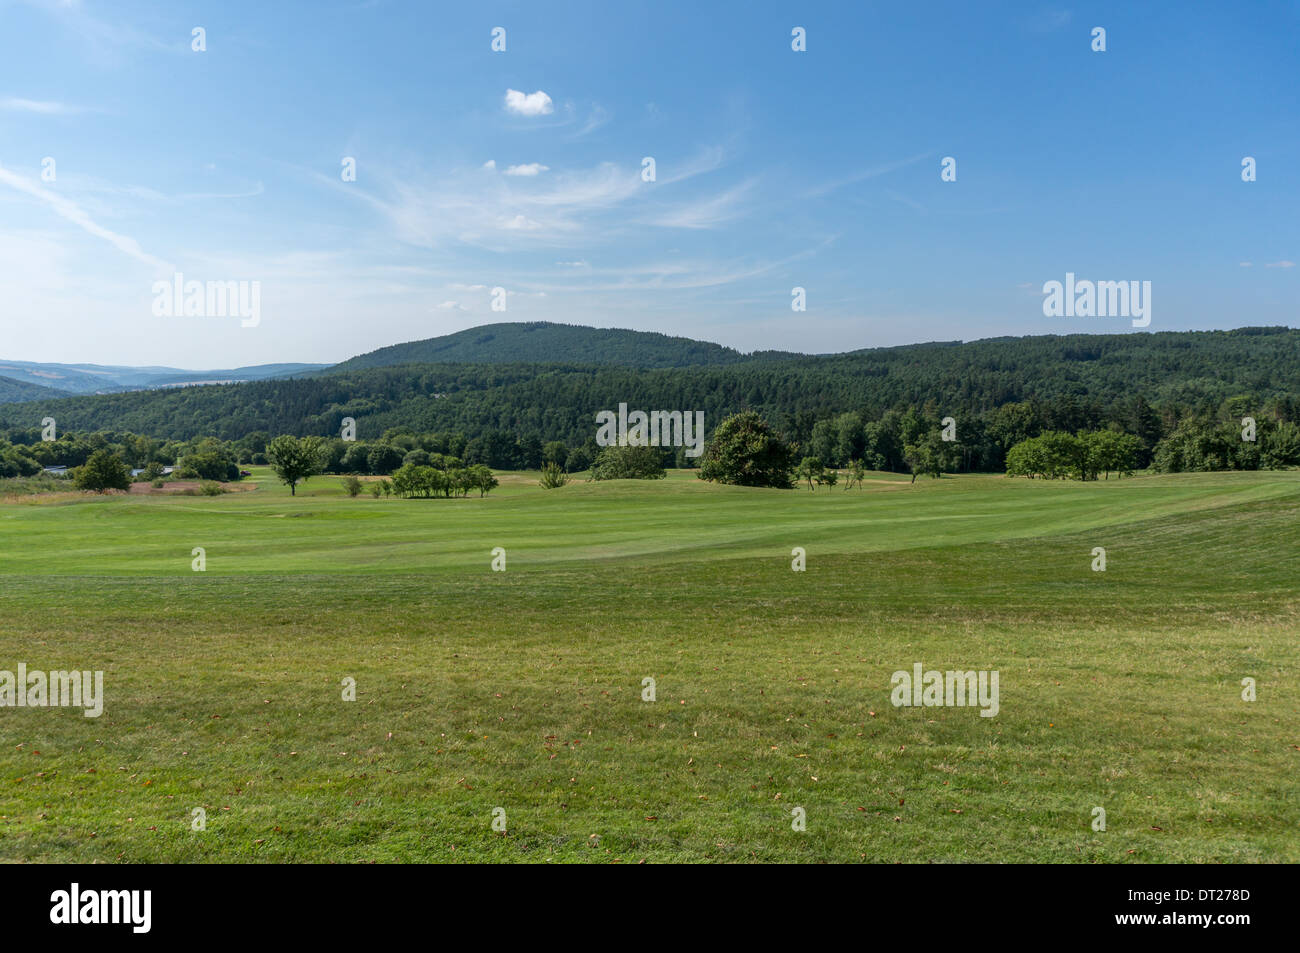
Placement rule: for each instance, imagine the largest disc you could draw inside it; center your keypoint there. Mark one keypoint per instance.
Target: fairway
(523, 690)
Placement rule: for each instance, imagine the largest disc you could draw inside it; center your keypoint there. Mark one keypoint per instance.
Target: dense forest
(544, 342)
(12, 391)
(1143, 384)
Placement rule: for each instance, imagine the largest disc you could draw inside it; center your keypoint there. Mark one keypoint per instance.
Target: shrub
(629, 463)
(553, 476)
(213, 465)
(211, 488)
(579, 459)
(353, 486)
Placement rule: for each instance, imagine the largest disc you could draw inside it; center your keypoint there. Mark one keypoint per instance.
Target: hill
(107, 378)
(542, 342)
(15, 390)
(1086, 377)
(1082, 381)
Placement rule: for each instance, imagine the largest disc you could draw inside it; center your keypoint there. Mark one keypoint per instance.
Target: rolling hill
(108, 379)
(17, 390)
(542, 342)
(1087, 377)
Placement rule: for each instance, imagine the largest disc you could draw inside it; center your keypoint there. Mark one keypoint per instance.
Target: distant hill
(110, 379)
(1087, 378)
(12, 391)
(542, 342)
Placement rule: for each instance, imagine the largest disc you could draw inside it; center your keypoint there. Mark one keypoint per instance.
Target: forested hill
(541, 342)
(12, 390)
(1083, 377)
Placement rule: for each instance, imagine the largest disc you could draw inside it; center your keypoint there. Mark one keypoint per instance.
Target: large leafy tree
(295, 459)
(384, 459)
(746, 451)
(103, 471)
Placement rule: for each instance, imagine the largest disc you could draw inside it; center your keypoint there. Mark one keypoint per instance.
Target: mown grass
(522, 690)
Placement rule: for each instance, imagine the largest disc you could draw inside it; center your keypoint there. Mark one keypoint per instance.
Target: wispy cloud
(528, 169)
(1049, 20)
(595, 119)
(71, 211)
(710, 212)
(904, 200)
(862, 175)
(107, 39)
(14, 104)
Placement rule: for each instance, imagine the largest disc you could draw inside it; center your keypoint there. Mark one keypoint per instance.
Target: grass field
(522, 689)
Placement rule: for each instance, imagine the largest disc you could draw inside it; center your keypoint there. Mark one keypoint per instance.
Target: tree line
(1001, 391)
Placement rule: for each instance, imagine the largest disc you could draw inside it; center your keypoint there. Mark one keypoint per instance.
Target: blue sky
(774, 169)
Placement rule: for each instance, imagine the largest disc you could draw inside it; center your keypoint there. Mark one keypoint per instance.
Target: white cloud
(706, 213)
(490, 164)
(34, 106)
(452, 306)
(529, 104)
(530, 168)
(521, 222)
(598, 117)
(864, 174)
(578, 207)
(74, 213)
(1280, 264)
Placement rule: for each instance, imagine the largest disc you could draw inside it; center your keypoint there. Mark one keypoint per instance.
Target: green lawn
(522, 690)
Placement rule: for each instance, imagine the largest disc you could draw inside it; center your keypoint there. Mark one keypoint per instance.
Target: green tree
(482, 479)
(1110, 450)
(746, 451)
(579, 459)
(295, 459)
(810, 469)
(856, 472)
(555, 452)
(384, 458)
(102, 472)
(1281, 447)
(355, 458)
